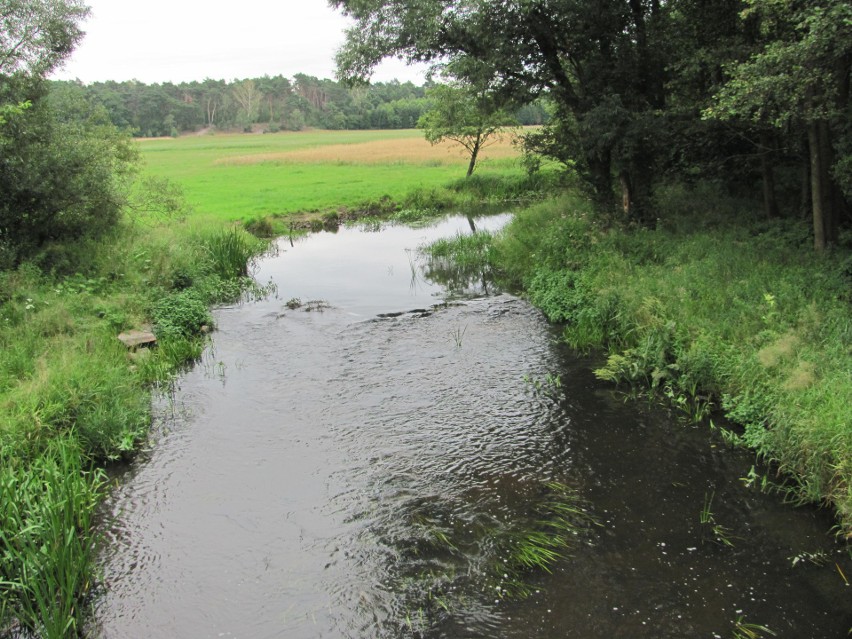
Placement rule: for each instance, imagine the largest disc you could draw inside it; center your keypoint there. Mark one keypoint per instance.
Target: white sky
(184, 40)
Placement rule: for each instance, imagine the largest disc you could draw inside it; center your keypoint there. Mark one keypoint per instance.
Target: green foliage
(47, 505)
(230, 250)
(62, 168)
(158, 199)
(626, 84)
(792, 75)
(37, 35)
(467, 114)
(275, 103)
(465, 250)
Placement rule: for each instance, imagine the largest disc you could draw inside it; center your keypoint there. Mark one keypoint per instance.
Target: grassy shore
(709, 313)
(73, 397)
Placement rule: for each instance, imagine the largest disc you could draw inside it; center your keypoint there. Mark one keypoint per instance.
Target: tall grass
(46, 539)
(231, 250)
(710, 312)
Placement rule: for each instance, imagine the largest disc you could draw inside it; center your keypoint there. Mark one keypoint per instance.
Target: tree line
(752, 94)
(269, 103)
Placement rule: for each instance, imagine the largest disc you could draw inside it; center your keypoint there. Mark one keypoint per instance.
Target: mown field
(233, 177)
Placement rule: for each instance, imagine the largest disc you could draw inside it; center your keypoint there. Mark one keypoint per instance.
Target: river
(357, 468)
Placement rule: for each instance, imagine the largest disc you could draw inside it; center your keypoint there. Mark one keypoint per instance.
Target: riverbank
(73, 398)
(715, 315)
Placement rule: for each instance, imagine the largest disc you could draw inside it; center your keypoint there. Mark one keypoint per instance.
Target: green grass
(46, 568)
(218, 186)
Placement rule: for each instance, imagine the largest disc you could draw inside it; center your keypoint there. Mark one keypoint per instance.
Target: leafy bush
(62, 166)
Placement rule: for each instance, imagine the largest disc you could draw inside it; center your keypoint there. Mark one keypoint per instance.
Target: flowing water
(362, 468)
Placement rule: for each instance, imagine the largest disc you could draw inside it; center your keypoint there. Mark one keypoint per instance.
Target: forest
(270, 104)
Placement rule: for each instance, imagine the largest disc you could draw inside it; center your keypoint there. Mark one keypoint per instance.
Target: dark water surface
(337, 473)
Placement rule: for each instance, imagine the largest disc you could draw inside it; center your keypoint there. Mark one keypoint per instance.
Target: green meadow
(232, 177)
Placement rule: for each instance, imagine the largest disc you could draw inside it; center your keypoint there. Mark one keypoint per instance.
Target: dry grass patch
(413, 151)
(782, 348)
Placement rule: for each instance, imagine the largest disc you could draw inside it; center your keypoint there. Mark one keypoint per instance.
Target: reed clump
(46, 538)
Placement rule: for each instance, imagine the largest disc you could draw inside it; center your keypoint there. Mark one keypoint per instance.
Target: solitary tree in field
(465, 115)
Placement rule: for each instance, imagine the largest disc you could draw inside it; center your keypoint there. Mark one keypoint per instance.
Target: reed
(46, 539)
(231, 251)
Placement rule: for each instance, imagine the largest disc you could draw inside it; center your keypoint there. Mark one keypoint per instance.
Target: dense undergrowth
(72, 397)
(711, 312)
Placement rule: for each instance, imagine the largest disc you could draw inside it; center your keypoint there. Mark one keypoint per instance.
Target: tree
(37, 35)
(62, 161)
(800, 77)
(248, 98)
(62, 165)
(465, 115)
(600, 61)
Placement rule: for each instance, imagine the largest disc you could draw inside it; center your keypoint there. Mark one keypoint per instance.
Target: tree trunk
(474, 154)
(600, 177)
(626, 194)
(805, 189)
(636, 188)
(817, 195)
(770, 202)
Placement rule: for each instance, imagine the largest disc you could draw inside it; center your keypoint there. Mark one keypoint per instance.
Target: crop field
(241, 176)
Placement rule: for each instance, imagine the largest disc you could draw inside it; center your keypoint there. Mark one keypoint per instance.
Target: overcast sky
(184, 40)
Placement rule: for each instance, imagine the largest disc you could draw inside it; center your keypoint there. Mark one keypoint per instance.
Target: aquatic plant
(457, 335)
(745, 630)
(719, 533)
(550, 386)
(446, 563)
